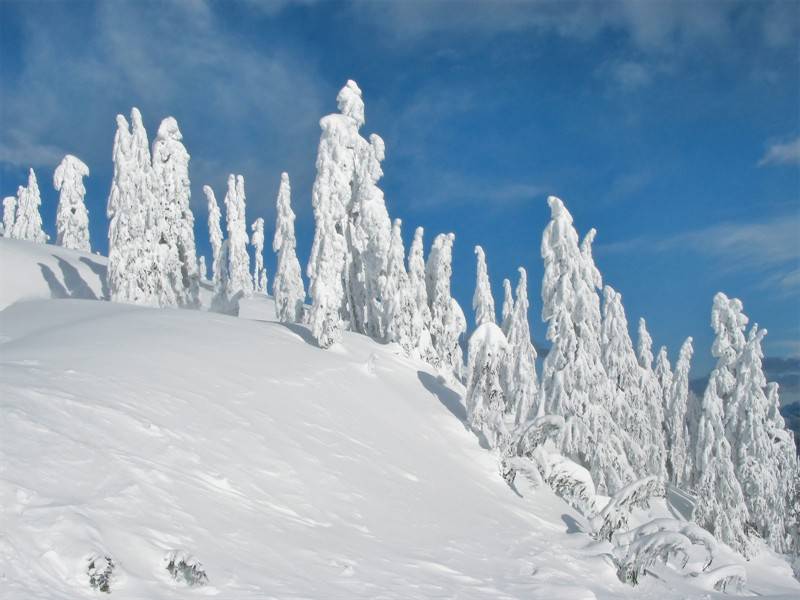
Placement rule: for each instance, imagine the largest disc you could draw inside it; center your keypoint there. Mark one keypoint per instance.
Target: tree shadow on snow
(572, 525)
(75, 284)
(449, 398)
(302, 331)
(56, 289)
(102, 273)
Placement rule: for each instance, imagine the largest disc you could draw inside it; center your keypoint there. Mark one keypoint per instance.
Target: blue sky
(671, 127)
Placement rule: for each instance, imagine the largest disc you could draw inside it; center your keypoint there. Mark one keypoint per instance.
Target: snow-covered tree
(214, 232)
(259, 272)
(508, 306)
(522, 401)
(720, 504)
(663, 372)
(397, 300)
(220, 301)
(9, 214)
(629, 408)
(174, 220)
(485, 397)
(134, 265)
(287, 285)
(447, 318)
(202, 268)
(331, 199)
(28, 221)
(644, 349)
(419, 293)
(574, 383)
(675, 409)
(368, 237)
(482, 299)
(786, 468)
(655, 385)
(72, 218)
(240, 282)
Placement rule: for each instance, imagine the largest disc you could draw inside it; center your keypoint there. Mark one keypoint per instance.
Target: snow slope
(288, 471)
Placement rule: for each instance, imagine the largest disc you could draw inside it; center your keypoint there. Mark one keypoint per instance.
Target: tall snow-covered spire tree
(202, 268)
(72, 218)
(508, 306)
(522, 399)
(28, 221)
(655, 390)
(675, 409)
(663, 373)
(574, 383)
(644, 349)
(399, 303)
(720, 504)
(214, 232)
(447, 319)
(331, 198)
(629, 408)
(785, 464)
(9, 215)
(175, 220)
(482, 299)
(240, 282)
(419, 293)
(257, 240)
(287, 285)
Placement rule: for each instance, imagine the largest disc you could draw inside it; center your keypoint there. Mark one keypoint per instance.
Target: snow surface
(286, 470)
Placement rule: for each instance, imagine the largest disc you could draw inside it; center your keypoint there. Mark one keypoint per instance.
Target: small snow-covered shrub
(728, 578)
(696, 535)
(633, 561)
(616, 513)
(537, 432)
(100, 569)
(570, 481)
(185, 568)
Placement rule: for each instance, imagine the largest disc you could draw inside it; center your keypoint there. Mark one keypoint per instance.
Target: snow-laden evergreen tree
(240, 282)
(485, 397)
(574, 383)
(369, 236)
(259, 272)
(654, 390)
(72, 218)
(629, 408)
(220, 301)
(28, 221)
(214, 232)
(482, 299)
(287, 285)
(522, 401)
(644, 349)
(720, 504)
(202, 268)
(663, 373)
(397, 300)
(175, 220)
(419, 293)
(9, 214)
(508, 306)
(331, 198)
(447, 319)
(675, 424)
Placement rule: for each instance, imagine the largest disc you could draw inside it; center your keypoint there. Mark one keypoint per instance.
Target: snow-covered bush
(614, 516)
(185, 568)
(697, 535)
(568, 480)
(536, 432)
(100, 569)
(633, 560)
(727, 578)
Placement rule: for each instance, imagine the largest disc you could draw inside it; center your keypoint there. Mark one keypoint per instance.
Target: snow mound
(134, 437)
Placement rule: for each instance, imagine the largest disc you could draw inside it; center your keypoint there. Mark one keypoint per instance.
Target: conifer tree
(482, 299)
(174, 218)
(202, 268)
(396, 295)
(331, 198)
(485, 396)
(574, 383)
(720, 504)
(675, 423)
(9, 214)
(214, 232)
(447, 318)
(72, 218)
(287, 285)
(259, 272)
(522, 401)
(508, 306)
(240, 282)
(419, 293)
(28, 220)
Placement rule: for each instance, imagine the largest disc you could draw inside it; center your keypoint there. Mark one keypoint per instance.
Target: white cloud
(782, 153)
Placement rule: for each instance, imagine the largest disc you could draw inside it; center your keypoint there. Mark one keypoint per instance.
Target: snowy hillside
(286, 470)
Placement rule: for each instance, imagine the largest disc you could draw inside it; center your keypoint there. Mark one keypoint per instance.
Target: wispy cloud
(782, 153)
